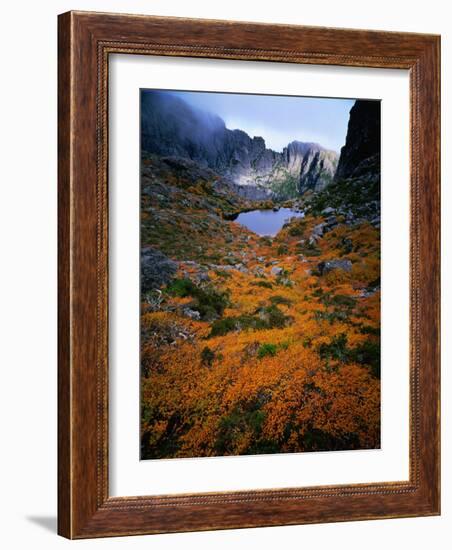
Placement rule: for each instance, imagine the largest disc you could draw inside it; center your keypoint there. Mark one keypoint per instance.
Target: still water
(267, 222)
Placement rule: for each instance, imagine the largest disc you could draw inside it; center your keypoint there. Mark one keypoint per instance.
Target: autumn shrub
(263, 284)
(285, 363)
(337, 277)
(223, 274)
(163, 328)
(297, 228)
(307, 342)
(266, 241)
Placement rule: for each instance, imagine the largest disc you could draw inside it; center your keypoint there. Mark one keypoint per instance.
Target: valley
(258, 343)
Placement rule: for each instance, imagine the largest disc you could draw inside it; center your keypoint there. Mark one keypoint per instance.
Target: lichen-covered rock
(326, 267)
(156, 269)
(191, 314)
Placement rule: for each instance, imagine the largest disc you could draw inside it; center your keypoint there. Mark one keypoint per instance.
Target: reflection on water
(267, 222)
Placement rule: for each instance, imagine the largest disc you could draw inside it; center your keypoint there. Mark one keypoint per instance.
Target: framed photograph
(248, 275)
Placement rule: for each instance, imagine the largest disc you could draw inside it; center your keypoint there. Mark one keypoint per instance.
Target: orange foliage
(298, 386)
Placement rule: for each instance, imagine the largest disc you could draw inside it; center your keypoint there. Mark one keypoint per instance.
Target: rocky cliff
(355, 191)
(171, 127)
(361, 152)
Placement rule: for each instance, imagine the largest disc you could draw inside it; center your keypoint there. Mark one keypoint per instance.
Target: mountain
(170, 127)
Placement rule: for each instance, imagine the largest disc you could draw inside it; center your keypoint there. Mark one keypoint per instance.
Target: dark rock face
(361, 151)
(156, 269)
(171, 127)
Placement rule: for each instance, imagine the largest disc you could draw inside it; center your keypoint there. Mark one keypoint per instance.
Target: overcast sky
(279, 119)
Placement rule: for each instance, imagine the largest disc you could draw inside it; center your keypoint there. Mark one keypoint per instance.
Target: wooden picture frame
(86, 40)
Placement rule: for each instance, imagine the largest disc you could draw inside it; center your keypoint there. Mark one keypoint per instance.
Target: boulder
(331, 222)
(203, 277)
(327, 211)
(313, 240)
(376, 222)
(240, 267)
(191, 314)
(330, 265)
(156, 269)
(318, 230)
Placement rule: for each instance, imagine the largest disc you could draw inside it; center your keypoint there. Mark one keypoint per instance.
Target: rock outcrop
(156, 269)
(361, 152)
(172, 128)
(325, 267)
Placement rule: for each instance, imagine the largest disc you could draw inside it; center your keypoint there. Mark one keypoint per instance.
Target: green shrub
(297, 228)
(336, 349)
(209, 301)
(267, 350)
(273, 317)
(239, 421)
(277, 299)
(367, 329)
(343, 300)
(307, 342)
(282, 250)
(223, 326)
(367, 353)
(181, 288)
(207, 356)
(265, 318)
